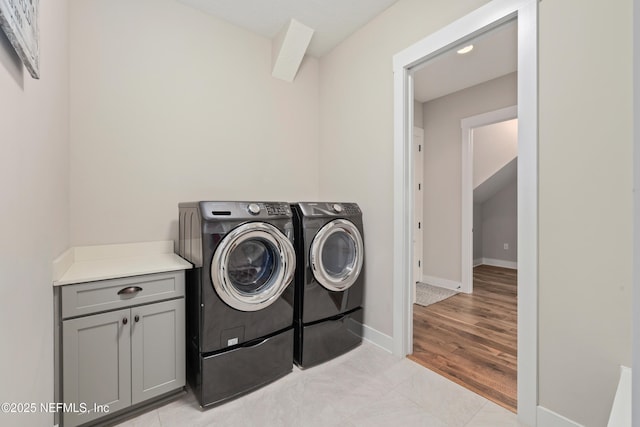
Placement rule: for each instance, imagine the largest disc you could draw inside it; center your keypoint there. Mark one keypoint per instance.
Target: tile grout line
(476, 413)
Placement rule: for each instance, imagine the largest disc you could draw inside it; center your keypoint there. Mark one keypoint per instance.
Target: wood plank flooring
(472, 338)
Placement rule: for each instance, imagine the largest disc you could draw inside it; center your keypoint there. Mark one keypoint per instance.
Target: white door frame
(467, 125)
(483, 19)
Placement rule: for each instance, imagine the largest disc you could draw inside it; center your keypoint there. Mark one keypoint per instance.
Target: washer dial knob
(254, 208)
(336, 207)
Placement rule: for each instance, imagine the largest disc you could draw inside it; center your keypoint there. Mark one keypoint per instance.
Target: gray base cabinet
(119, 358)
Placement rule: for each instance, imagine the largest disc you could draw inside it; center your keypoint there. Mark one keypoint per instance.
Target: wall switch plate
(506, 246)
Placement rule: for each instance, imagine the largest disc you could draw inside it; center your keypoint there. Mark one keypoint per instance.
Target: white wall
(168, 105)
(442, 169)
(34, 191)
(585, 205)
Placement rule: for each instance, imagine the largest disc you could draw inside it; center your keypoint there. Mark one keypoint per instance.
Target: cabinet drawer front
(103, 295)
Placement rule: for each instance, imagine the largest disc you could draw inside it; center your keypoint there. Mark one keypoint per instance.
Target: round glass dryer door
(336, 255)
(252, 266)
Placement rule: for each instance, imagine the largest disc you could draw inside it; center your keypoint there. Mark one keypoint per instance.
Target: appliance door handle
(130, 290)
(257, 344)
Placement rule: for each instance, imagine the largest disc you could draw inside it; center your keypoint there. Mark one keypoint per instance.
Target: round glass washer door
(251, 267)
(336, 255)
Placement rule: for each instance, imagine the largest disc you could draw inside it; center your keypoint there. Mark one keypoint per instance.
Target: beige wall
(168, 105)
(585, 209)
(442, 169)
(34, 209)
(585, 180)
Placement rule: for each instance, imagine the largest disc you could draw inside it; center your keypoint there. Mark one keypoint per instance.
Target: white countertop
(92, 263)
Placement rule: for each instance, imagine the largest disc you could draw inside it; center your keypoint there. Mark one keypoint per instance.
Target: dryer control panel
(329, 209)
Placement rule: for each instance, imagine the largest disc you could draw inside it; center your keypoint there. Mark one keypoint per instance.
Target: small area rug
(428, 294)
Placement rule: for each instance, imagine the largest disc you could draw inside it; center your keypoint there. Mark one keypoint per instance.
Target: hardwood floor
(472, 338)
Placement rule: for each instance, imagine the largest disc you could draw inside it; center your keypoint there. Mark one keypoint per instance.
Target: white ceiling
(495, 54)
(332, 20)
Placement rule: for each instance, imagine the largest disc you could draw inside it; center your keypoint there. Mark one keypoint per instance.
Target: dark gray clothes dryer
(329, 280)
(239, 296)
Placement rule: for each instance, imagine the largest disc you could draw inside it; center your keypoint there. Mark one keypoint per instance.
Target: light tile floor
(365, 387)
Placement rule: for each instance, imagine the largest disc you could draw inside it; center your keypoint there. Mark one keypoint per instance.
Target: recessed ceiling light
(465, 49)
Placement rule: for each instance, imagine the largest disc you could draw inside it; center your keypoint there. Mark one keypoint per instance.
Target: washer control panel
(241, 210)
(277, 208)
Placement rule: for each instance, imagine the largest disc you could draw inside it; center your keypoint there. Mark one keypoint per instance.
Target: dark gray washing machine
(239, 296)
(329, 280)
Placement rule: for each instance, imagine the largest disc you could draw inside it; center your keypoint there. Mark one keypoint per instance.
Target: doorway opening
(489, 166)
(406, 64)
(470, 337)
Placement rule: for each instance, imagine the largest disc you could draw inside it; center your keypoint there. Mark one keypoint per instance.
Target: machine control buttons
(278, 209)
(351, 209)
(336, 207)
(254, 208)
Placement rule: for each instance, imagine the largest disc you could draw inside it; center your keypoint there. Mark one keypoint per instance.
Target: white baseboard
(498, 263)
(442, 283)
(477, 262)
(377, 338)
(548, 418)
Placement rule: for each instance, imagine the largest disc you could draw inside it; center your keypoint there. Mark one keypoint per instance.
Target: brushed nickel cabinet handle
(129, 290)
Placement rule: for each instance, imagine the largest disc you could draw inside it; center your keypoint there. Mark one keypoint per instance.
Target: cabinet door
(157, 349)
(96, 365)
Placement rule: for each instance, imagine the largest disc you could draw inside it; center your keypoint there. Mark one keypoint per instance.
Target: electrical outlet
(506, 246)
